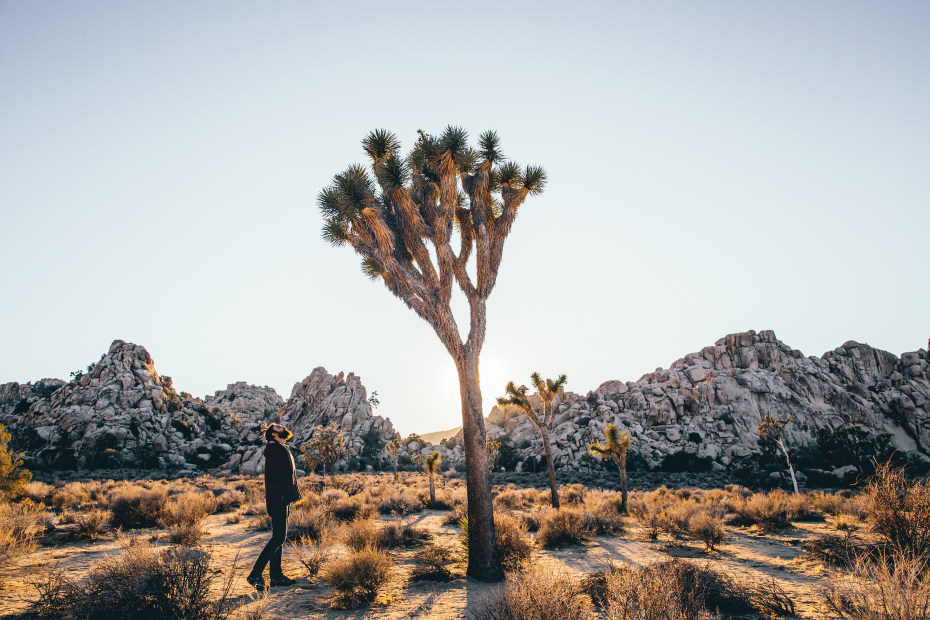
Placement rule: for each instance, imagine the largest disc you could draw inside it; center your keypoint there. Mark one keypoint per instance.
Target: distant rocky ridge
(709, 404)
(122, 414)
(706, 407)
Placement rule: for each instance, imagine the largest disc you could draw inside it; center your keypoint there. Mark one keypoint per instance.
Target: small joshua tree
(431, 465)
(546, 391)
(770, 437)
(494, 453)
(327, 445)
(393, 449)
(615, 447)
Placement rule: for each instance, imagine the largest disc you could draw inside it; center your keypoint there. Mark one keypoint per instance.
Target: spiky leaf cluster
(400, 212)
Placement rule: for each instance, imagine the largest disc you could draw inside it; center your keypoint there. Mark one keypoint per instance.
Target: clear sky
(713, 167)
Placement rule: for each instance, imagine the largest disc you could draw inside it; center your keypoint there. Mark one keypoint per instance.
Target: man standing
(280, 491)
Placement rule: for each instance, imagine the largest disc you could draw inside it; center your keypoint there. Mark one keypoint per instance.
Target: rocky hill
(700, 413)
(122, 414)
(704, 411)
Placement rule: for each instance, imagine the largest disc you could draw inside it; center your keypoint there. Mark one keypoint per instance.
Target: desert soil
(748, 554)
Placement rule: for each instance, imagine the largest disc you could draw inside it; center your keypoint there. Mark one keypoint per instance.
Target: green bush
(13, 477)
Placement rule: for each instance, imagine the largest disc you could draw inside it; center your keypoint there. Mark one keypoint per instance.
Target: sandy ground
(747, 554)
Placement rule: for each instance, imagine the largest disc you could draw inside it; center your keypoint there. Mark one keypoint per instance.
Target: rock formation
(704, 409)
(708, 405)
(122, 414)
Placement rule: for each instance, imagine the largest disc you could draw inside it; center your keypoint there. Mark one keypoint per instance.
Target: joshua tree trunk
(794, 480)
(553, 485)
(483, 561)
(621, 467)
(395, 469)
(432, 489)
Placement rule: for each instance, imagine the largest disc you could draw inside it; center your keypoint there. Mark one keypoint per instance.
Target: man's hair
(269, 431)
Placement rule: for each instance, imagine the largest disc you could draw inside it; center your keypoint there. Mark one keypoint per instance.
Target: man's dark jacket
(280, 476)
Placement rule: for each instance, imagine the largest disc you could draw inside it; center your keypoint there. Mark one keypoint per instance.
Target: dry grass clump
(535, 594)
(357, 577)
(603, 514)
(133, 506)
(21, 526)
(513, 545)
(91, 523)
(184, 514)
(709, 528)
(70, 497)
(351, 509)
(401, 533)
(432, 564)
(567, 526)
(313, 522)
(901, 510)
(769, 512)
(676, 590)
(142, 583)
(311, 553)
(675, 518)
(572, 494)
(888, 587)
(228, 501)
(38, 492)
(400, 502)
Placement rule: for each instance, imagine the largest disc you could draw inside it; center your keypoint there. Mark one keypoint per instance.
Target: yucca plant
(431, 465)
(420, 222)
(546, 391)
(615, 447)
(393, 448)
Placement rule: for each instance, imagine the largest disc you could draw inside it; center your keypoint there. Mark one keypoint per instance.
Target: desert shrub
(513, 545)
(432, 564)
(400, 502)
(357, 577)
(895, 587)
(901, 509)
(13, 476)
(647, 515)
(189, 508)
(312, 553)
(603, 515)
(512, 499)
(234, 517)
(132, 506)
(255, 509)
(567, 526)
(671, 590)
(90, 523)
(572, 494)
(362, 534)
(351, 509)
(401, 533)
(21, 525)
(675, 517)
(38, 492)
(804, 507)
(69, 497)
(533, 519)
(331, 496)
(313, 522)
(535, 594)
(768, 511)
(142, 583)
(708, 528)
(230, 500)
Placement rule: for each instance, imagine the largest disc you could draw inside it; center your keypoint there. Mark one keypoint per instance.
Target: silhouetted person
(280, 491)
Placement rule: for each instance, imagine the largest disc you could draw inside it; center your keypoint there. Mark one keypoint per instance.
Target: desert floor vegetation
(365, 544)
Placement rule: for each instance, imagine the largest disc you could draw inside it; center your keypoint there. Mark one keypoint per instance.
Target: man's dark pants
(274, 547)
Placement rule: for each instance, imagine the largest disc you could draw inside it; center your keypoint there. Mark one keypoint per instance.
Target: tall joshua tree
(405, 218)
(615, 447)
(546, 391)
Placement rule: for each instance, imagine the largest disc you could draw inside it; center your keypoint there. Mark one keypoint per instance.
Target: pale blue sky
(714, 167)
